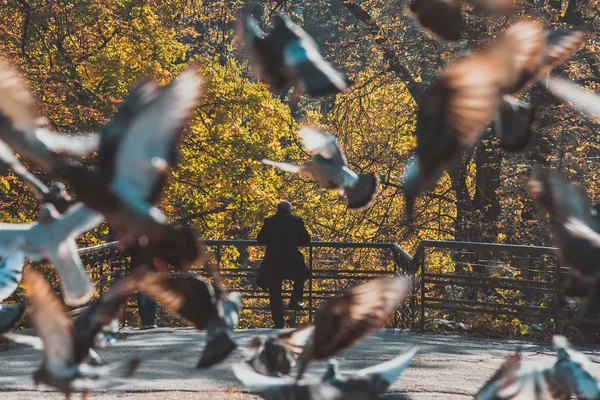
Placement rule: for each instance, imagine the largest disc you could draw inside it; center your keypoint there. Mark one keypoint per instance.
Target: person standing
(147, 306)
(282, 233)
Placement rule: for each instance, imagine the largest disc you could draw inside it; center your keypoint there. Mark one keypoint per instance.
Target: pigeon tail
(514, 124)
(10, 316)
(362, 193)
(412, 185)
(217, 348)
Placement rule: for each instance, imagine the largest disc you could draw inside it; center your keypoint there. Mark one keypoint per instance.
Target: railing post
(218, 256)
(422, 261)
(395, 258)
(310, 283)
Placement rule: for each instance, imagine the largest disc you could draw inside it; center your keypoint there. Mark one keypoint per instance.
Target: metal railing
(466, 278)
(456, 279)
(239, 260)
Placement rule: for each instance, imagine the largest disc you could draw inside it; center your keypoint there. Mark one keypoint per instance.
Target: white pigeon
(52, 238)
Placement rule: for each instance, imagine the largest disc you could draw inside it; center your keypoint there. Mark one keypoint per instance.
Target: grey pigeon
(208, 307)
(455, 110)
(328, 166)
(338, 325)
(51, 237)
(365, 384)
(576, 225)
(64, 364)
(289, 55)
(10, 316)
(135, 150)
(570, 375)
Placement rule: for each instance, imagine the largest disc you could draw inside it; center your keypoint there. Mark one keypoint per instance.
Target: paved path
(446, 367)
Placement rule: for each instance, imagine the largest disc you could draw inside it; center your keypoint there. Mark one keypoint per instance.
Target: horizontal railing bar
(438, 300)
(447, 309)
(495, 247)
(493, 286)
(477, 279)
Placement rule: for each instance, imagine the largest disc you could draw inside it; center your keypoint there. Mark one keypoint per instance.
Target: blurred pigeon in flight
(339, 323)
(365, 384)
(52, 237)
(570, 375)
(10, 316)
(135, 151)
(576, 225)
(328, 166)
(63, 366)
(289, 55)
(445, 19)
(455, 110)
(208, 307)
(55, 195)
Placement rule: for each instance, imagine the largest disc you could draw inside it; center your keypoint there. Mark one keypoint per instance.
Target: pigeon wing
(343, 321)
(148, 147)
(7, 156)
(294, 341)
(16, 102)
(27, 340)
(10, 273)
(577, 97)
(183, 294)
(53, 324)
(293, 168)
(103, 312)
(318, 142)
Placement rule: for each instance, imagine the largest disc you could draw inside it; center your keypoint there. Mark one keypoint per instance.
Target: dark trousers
(147, 308)
(276, 303)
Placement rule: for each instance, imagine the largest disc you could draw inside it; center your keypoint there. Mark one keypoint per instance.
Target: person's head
(284, 207)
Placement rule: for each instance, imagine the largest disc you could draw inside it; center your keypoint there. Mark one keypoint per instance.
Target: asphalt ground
(446, 367)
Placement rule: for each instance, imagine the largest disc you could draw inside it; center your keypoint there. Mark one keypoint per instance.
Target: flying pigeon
(51, 237)
(135, 151)
(339, 323)
(372, 380)
(328, 166)
(55, 195)
(445, 19)
(208, 307)
(576, 225)
(288, 55)
(285, 387)
(64, 365)
(455, 110)
(95, 326)
(569, 375)
(10, 316)
(365, 384)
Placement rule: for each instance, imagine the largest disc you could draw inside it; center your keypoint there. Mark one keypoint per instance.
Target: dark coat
(282, 233)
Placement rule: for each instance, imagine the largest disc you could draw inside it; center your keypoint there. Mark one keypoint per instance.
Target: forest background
(82, 57)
